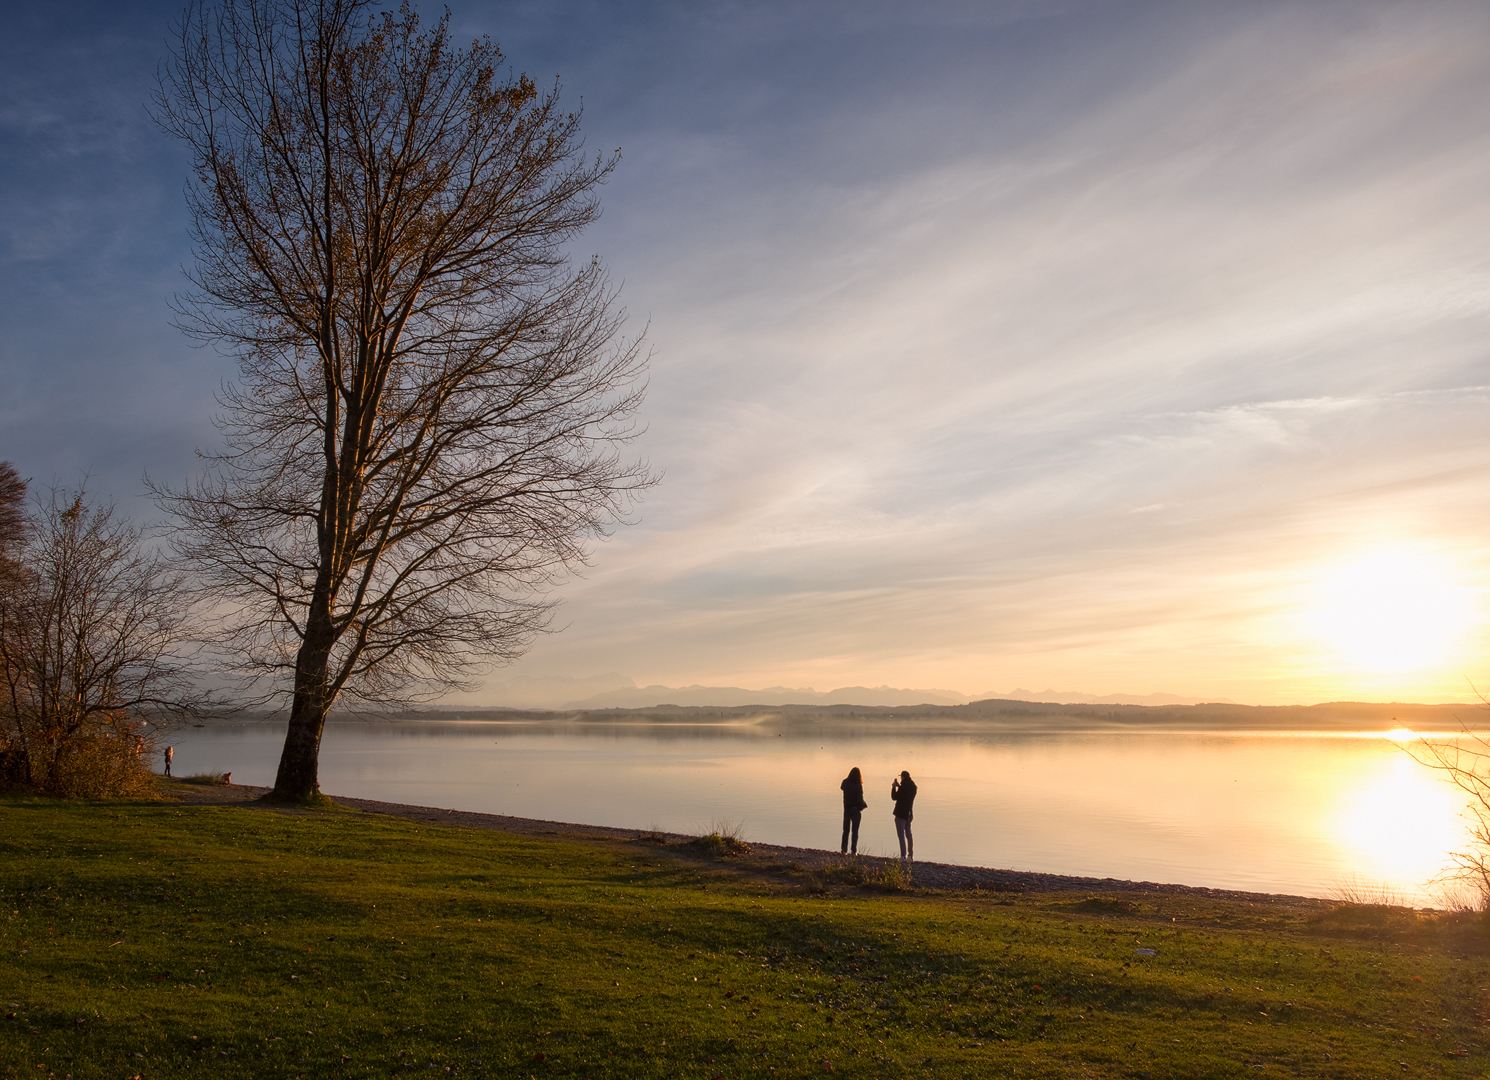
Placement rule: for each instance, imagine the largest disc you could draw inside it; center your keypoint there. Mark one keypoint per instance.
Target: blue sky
(1082, 345)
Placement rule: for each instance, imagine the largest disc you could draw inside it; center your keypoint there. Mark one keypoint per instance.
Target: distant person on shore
(170, 753)
(903, 791)
(853, 810)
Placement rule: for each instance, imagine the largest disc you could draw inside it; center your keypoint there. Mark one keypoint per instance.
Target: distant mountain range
(616, 691)
(990, 714)
(1071, 697)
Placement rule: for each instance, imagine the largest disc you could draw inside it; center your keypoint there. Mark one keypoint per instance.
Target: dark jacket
(904, 793)
(853, 795)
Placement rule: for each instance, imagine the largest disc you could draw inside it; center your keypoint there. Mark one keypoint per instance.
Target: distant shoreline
(1022, 717)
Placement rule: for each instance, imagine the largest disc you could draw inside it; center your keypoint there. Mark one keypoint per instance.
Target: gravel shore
(927, 875)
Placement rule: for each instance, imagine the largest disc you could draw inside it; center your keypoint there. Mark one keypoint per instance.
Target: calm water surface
(1295, 813)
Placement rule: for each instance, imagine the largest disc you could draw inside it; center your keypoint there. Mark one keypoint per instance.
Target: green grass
(152, 940)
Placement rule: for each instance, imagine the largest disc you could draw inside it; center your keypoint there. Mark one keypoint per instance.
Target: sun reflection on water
(1399, 822)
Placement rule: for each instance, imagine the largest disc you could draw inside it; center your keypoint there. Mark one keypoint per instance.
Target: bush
(90, 622)
(102, 763)
(103, 758)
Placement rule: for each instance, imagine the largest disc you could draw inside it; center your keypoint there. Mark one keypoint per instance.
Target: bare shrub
(894, 877)
(1458, 896)
(90, 624)
(1355, 890)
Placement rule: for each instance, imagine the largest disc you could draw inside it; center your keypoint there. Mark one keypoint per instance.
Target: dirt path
(770, 859)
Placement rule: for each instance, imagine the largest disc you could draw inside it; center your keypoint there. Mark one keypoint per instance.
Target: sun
(1393, 610)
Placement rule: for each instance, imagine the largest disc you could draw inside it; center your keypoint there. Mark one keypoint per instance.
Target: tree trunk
(298, 779)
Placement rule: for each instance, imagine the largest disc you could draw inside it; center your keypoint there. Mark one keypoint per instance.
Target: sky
(1115, 348)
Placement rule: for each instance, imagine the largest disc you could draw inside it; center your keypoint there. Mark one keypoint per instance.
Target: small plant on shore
(894, 876)
(858, 872)
(1361, 893)
(653, 835)
(1453, 893)
(846, 870)
(1106, 905)
(208, 779)
(724, 839)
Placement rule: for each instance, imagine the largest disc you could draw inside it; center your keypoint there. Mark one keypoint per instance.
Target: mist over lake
(1273, 811)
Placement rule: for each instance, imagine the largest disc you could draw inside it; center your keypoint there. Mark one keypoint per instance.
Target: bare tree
(89, 636)
(428, 424)
(12, 515)
(13, 765)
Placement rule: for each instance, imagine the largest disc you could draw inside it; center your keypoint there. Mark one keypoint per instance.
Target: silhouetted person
(170, 752)
(853, 809)
(903, 791)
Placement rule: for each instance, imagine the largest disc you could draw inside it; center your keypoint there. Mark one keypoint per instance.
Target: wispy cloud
(1020, 344)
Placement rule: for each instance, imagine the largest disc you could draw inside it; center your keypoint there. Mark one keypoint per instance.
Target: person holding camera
(903, 791)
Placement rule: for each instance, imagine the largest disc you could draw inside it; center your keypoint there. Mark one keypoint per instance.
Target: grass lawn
(161, 940)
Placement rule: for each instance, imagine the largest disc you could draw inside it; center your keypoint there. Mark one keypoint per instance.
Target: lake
(1300, 813)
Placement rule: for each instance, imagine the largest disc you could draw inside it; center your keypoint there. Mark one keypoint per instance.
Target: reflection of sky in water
(1276, 813)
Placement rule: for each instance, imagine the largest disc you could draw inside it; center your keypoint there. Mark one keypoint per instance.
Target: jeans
(903, 834)
(850, 821)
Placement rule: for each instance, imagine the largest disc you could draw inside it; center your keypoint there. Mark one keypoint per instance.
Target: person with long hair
(853, 810)
(903, 791)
